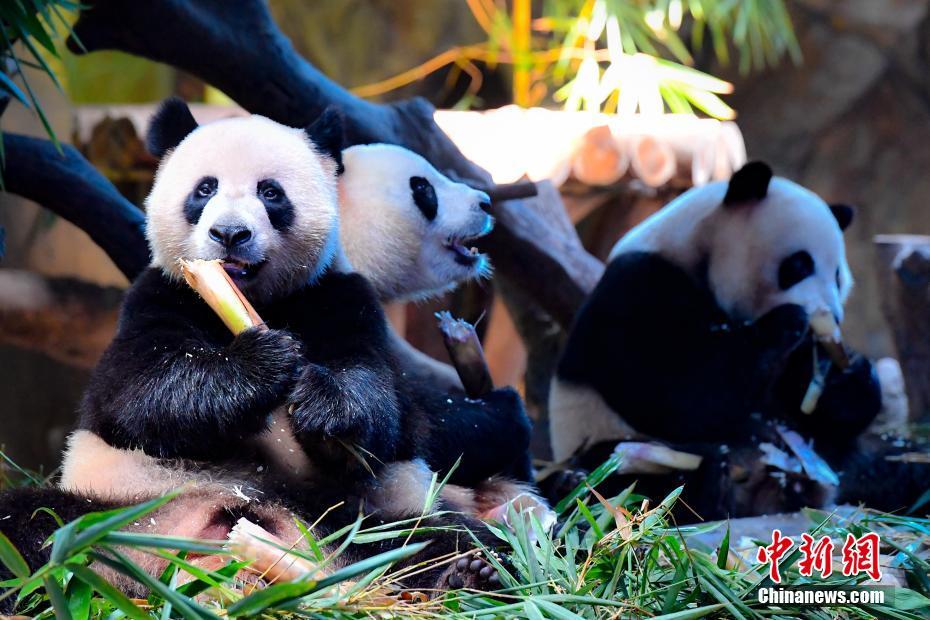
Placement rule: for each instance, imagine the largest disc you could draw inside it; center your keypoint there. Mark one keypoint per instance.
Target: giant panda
(176, 398)
(698, 335)
(407, 228)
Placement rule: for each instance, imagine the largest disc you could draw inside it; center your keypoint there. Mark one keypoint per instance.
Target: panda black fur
(697, 335)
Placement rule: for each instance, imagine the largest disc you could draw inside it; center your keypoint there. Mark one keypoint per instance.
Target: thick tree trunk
(904, 279)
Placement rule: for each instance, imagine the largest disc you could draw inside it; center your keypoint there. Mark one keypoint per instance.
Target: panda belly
(281, 450)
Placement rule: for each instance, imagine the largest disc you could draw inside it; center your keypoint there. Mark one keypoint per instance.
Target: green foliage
(618, 56)
(607, 558)
(33, 25)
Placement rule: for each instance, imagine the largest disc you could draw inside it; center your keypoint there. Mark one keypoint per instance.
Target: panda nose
(484, 201)
(230, 236)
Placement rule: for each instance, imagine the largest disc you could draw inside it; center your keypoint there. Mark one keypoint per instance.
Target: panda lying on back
(697, 334)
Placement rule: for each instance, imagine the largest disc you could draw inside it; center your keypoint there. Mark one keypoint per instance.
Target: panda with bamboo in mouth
(308, 413)
(715, 332)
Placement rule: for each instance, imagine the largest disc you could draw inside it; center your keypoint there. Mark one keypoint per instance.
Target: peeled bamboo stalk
(214, 285)
(827, 333)
(252, 543)
(467, 354)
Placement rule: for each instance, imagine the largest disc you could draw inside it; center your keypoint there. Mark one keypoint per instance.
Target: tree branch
(242, 52)
(70, 186)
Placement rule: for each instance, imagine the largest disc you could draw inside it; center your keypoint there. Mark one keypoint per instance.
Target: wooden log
(600, 158)
(67, 184)
(904, 276)
(652, 160)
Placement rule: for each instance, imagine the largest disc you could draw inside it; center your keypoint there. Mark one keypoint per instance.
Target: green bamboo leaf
(10, 87)
(593, 479)
(907, 600)
(157, 541)
(57, 598)
(690, 614)
(708, 103)
(102, 523)
(12, 558)
(281, 593)
(557, 611)
(208, 579)
(78, 595)
(724, 549)
(532, 611)
(107, 591)
(187, 607)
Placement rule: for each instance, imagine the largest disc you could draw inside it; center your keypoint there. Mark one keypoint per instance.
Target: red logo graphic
(860, 555)
(816, 555)
(772, 554)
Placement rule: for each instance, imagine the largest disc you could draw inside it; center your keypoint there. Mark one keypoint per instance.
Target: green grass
(607, 558)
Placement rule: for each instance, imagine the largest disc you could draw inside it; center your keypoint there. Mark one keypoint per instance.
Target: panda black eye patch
(195, 202)
(277, 205)
(794, 269)
(424, 196)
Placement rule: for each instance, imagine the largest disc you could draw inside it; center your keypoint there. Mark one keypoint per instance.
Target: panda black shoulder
(338, 311)
(153, 296)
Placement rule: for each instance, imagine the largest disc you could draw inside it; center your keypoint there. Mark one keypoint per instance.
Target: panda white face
(252, 193)
(786, 249)
(406, 227)
(759, 242)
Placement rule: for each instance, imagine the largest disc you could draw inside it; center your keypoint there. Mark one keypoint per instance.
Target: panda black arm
(652, 342)
(346, 391)
(176, 384)
(850, 401)
(490, 434)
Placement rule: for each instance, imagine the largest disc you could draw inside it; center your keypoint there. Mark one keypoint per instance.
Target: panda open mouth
(466, 256)
(240, 270)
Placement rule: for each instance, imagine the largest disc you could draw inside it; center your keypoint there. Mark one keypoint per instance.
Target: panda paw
(777, 333)
(851, 398)
(471, 572)
(348, 406)
(273, 354)
(505, 407)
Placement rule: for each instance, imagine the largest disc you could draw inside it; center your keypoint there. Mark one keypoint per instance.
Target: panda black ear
(169, 126)
(749, 183)
(328, 134)
(843, 214)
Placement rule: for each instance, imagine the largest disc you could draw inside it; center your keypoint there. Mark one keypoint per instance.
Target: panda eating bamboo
(177, 399)
(715, 330)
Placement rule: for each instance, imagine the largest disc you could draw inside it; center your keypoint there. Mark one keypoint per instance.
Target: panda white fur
(407, 227)
(697, 334)
(178, 398)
